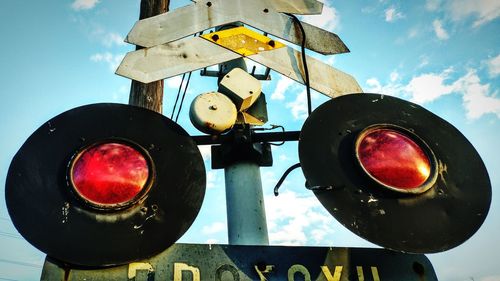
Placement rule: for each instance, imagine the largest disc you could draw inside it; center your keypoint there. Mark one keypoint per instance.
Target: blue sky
(442, 54)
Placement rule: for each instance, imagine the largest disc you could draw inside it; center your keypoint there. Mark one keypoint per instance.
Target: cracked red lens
(110, 174)
(393, 159)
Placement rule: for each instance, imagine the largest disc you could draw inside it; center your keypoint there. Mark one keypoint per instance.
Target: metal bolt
(213, 107)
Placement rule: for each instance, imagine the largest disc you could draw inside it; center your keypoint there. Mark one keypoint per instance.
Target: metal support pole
(246, 215)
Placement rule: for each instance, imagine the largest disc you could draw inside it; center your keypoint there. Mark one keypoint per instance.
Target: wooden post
(149, 95)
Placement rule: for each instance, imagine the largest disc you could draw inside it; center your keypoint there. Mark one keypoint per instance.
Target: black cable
(283, 177)
(304, 61)
(178, 94)
(270, 129)
(183, 96)
(180, 87)
(283, 130)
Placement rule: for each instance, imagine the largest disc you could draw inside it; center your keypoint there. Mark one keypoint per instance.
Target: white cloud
(439, 30)
(328, 20)
(298, 107)
(428, 87)
(297, 220)
(284, 83)
(84, 4)
(476, 96)
(112, 60)
(106, 38)
(494, 66)
(111, 39)
(391, 89)
(392, 15)
(483, 10)
(215, 227)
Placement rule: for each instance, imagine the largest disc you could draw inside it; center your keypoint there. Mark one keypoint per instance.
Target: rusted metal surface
(188, 20)
(226, 262)
(190, 54)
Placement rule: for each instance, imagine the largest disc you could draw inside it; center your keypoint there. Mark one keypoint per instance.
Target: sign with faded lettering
(200, 262)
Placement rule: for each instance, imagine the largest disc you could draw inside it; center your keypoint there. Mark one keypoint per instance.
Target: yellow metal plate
(243, 41)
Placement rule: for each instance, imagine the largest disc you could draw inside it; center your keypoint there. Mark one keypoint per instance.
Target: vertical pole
(149, 95)
(246, 214)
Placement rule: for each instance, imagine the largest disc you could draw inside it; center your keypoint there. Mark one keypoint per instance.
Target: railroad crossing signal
(424, 203)
(105, 184)
(394, 173)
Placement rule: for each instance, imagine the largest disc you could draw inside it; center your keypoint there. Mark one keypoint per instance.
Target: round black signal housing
(394, 173)
(105, 184)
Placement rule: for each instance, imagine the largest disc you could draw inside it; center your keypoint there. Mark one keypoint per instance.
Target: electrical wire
(304, 61)
(183, 96)
(273, 127)
(180, 88)
(283, 177)
(178, 94)
(308, 92)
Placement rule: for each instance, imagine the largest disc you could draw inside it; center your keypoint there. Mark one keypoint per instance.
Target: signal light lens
(394, 159)
(108, 175)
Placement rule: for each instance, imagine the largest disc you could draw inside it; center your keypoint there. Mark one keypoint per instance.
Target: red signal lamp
(110, 175)
(396, 158)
